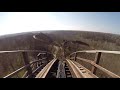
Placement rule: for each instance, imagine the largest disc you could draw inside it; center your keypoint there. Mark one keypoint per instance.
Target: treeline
(113, 38)
(9, 62)
(95, 40)
(77, 40)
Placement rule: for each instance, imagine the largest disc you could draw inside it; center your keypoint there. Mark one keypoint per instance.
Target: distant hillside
(22, 41)
(95, 40)
(76, 40)
(114, 38)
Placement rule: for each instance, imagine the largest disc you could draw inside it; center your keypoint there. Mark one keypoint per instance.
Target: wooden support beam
(20, 69)
(13, 69)
(45, 70)
(47, 58)
(96, 60)
(75, 56)
(26, 61)
(111, 74)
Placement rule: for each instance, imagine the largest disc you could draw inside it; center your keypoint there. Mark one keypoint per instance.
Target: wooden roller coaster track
(55, 68)
(68, 67)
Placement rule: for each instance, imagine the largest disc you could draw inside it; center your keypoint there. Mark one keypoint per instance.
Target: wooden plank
(13, 73)
(37, 69)
(75, 71)
(20, 69)
(45, 70)
(95, 51)
(96, 60)
(25, 74)
(106, 71)
(75, 56)
(87, 73)
(13, 69)
(15, 51)
(100, 68)
(26, 61)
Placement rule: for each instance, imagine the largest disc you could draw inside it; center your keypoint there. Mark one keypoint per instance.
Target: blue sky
(16, 22)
